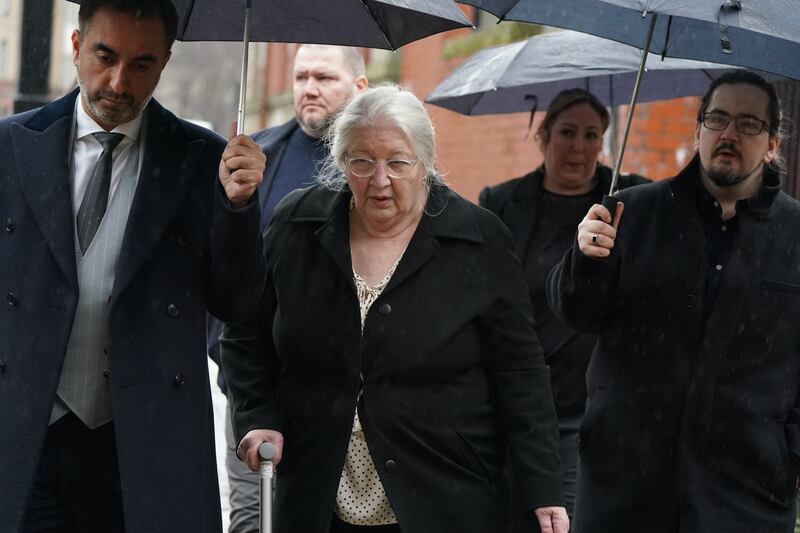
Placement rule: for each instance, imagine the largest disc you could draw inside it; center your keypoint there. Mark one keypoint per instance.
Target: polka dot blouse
(360, 498)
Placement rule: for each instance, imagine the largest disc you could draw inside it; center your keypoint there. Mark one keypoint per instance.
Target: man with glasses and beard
(123, 226)
(325, 77)
(693, 418)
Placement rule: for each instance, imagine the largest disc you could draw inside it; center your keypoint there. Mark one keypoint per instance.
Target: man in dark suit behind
(123, 226)
(325, 78)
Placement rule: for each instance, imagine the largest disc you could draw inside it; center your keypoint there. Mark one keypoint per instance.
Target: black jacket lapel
(520, 215)
(442, 219)
(273, 142)
(41, 153)
(170, 159)
(334, 234)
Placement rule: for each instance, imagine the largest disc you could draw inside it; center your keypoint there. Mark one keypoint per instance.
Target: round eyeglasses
(396, 169)
(745, 125)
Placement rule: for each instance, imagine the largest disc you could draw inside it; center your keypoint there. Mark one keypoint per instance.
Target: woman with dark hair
(393, 361)
(542, 209)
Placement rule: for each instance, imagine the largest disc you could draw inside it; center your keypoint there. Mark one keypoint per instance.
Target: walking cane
(266, 451)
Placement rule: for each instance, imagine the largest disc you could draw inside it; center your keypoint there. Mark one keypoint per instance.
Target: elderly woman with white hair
(393, 360)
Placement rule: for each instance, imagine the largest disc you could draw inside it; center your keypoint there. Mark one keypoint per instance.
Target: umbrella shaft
(266, 473)
(243, 80)
(632, 108)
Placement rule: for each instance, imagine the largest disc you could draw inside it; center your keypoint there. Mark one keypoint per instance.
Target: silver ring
(594, 238)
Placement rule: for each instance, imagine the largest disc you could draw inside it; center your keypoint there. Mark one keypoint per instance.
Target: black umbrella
(513, 77)
(387, 24)
(527, 75)
(757, 34)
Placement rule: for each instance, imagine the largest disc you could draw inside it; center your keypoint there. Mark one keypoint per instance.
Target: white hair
(386, 105)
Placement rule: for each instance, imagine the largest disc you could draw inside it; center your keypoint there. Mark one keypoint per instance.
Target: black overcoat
(452, 371)
(184, 251)
(692, 423)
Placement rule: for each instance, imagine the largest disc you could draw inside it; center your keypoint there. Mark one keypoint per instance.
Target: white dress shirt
(86, 151)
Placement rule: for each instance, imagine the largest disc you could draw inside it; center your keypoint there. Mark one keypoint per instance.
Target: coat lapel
(334, 237)
(452, 220)
(421, 249)
(41, 155)
(519, 216)
(274, 146)
(170, 160)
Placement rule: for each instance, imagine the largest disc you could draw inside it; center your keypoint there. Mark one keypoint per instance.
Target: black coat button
(172, 310)
(106, 373)
(691, 301)
(12, 298)
(390, 465)
(183, 242)
(10, 225)
(2, 366)
(385, 309)
(178, 381)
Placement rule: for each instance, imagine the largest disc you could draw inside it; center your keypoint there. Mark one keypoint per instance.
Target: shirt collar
(85, 125)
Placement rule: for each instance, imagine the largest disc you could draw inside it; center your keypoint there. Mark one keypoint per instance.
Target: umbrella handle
(610, 202)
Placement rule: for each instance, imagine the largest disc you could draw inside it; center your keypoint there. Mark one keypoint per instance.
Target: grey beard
(315, 127)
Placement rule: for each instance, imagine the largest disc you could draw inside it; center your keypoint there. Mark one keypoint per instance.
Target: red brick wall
(662, 137)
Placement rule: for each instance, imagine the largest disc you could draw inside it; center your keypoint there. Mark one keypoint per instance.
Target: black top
(719, 236)
(544, 226)
(555, 224)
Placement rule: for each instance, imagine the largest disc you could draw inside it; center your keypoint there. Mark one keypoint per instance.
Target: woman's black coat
(516, 202)
(453, 374)
(693, 420)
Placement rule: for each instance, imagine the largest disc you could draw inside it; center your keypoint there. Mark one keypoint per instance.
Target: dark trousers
(337, 526)
(77, 488)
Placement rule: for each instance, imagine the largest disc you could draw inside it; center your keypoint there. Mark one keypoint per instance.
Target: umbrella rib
(187, 18)
(377, 21)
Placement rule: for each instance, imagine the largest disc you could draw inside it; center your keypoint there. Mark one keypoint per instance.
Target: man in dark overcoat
(693, 419)
(122, 227)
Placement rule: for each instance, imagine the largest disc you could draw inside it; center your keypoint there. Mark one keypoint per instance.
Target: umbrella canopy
(758, 34)
(387, 24)
(527, 74)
